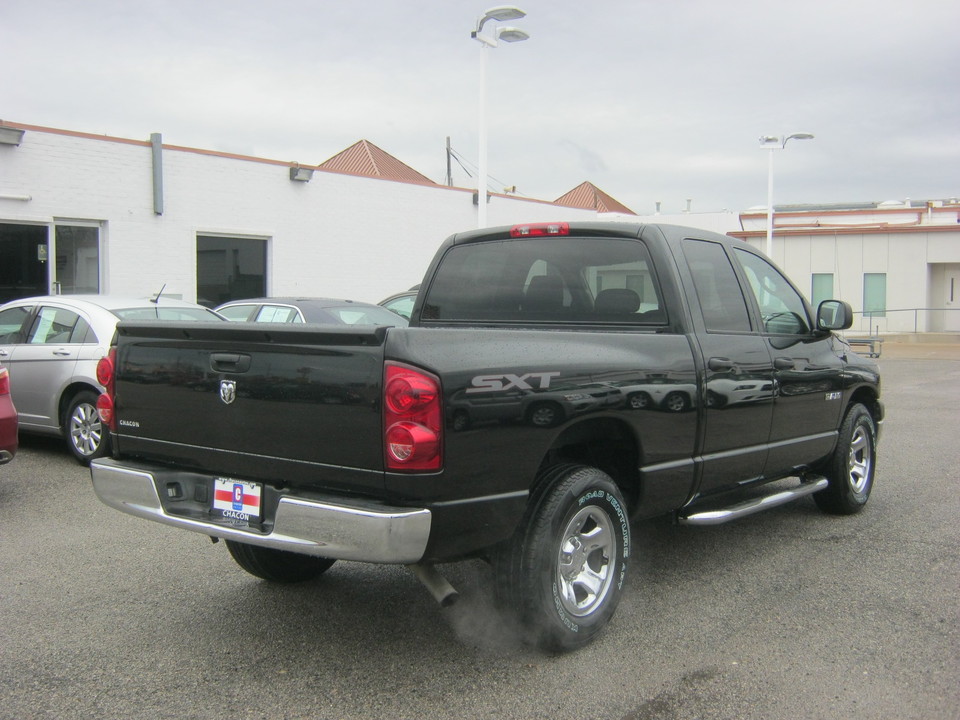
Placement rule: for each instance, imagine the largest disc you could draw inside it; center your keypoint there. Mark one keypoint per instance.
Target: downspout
(156, 147)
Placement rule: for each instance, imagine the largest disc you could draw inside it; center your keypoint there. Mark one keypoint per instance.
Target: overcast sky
(651, 100)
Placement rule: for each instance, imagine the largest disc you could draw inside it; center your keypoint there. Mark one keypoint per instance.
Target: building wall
(337, 235)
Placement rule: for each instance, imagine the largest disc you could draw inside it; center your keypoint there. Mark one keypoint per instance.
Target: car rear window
(160, 312)
(564, 280)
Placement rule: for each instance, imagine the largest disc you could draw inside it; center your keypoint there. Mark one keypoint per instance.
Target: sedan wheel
(83, 429)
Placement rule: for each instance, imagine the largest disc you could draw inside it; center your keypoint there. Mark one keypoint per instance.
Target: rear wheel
(850, 469)
(639, 400)
(85, 434)
(563, 572)
(277, 566)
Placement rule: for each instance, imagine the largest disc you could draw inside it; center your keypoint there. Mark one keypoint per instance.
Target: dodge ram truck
(557, 383)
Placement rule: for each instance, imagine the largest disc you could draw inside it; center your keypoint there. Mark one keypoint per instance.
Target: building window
(230, 268)
(23, 261)
(875, 294)
(821, 288)
(78, 259)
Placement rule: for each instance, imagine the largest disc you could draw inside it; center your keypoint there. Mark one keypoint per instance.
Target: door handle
(720, 364)
(784, 364)
(229, 362)
(62, 352)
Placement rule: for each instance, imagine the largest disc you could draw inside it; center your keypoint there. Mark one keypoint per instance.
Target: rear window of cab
(549, 279)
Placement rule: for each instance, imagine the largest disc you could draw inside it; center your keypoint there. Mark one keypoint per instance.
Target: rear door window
(53, 325)
(720, 297)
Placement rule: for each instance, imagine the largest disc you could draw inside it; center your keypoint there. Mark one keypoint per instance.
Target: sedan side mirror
(834, 315)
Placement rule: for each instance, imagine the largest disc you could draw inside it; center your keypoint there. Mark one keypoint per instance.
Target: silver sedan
(51, 346)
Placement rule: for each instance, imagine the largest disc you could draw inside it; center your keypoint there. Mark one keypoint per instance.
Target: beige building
(896, 263)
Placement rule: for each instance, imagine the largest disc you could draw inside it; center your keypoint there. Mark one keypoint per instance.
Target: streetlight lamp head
(504, 12)
(778, 141)
(511, 34)
(500, 12)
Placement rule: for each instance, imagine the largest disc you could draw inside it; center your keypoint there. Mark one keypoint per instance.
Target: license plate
(237, 500)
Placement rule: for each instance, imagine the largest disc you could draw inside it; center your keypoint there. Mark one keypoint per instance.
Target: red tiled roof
(589, 197)
(366, 159)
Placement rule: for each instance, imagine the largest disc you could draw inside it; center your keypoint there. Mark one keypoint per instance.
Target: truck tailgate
(297, 404)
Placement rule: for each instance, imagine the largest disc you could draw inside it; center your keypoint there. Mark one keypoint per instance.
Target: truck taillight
(412, 419)
(540, 229)
(105, 376)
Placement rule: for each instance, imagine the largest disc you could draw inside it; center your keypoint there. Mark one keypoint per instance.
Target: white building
(89, 213)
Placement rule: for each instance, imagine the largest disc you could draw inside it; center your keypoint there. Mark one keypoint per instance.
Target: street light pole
(508, 34)
(771, 143)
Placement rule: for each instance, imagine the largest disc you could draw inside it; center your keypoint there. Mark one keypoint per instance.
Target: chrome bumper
(366, 533)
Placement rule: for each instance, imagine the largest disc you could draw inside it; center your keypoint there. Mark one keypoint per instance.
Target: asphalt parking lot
(788, 614)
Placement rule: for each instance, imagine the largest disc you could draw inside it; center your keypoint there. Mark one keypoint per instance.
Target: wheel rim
(586, 561)
(860, 460)
(638, 402)
(543, 416)
(675, 403)
(86, 432)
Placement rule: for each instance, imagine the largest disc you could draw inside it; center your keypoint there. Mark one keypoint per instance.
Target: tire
(676, 402)
(563, 572)
(85, 435)
(277, 566)
(715, 400)
(545, 415)
(851, 467)
(639, 401)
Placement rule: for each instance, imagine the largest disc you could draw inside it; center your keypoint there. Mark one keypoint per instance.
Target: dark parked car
(323, 311)
(8, 420)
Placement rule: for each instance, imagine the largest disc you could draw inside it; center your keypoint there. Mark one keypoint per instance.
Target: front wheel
(564, 570)
(545, 414)
(277, 566)
(850, 469)
(82, 428)
(676, 402)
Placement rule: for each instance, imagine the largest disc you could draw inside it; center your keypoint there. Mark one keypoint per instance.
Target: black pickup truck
(557, 383)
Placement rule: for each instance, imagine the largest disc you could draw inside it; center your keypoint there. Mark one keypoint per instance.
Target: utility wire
(497, 186)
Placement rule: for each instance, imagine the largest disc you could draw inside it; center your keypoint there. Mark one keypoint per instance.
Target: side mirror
(834, 315)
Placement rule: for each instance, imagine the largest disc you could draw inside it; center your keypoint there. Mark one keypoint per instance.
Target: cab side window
(781, 306)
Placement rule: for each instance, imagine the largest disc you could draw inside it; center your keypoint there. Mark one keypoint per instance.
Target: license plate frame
(239, 502)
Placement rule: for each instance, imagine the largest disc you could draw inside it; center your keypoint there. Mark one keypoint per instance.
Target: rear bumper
(366, 532)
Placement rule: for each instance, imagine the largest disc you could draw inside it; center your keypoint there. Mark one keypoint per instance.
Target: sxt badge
(529, 381)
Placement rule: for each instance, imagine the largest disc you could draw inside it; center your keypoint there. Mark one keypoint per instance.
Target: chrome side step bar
(755, 505)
